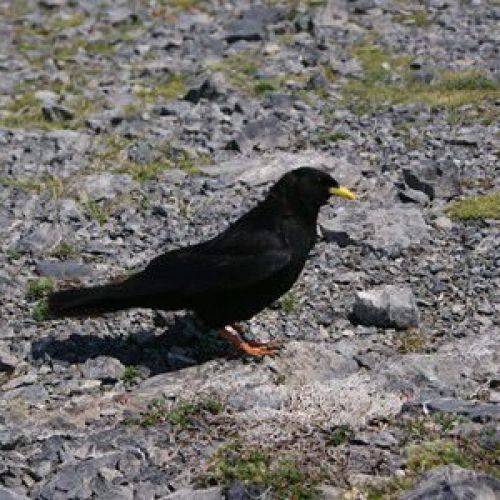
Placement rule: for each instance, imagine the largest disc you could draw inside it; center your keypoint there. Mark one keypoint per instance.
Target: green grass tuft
(95, 211)
(263, 87)
(387, 79)
(40, 311)
(329, 137)
(477, 207)
(172, 88)
(143, 172)
(64, 251)
(130, 374)
(179, 414)
(340, 434)
(430, 454)
(416, 18)
(392, 488)
(288, 303)
(285, 478)
(39, 288)
(411, 341)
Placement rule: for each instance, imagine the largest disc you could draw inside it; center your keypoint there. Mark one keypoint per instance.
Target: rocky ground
(130, 128)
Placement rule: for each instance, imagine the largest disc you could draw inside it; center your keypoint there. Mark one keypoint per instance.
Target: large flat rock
(261, 169)
(385, 230)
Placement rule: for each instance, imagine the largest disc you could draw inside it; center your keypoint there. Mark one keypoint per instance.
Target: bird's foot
(270, 344)
(263, 350)
(250, 347)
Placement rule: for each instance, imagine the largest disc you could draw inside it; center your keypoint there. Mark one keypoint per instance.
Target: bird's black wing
(191, 273)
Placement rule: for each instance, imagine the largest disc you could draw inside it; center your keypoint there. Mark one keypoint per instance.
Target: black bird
(230, 277)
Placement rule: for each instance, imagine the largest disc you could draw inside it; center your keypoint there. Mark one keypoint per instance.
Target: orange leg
(251, 348)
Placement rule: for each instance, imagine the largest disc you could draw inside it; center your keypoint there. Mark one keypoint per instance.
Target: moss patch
(97, 211)
(64, 251)
(418, 18)
(26, 111)
(428, 455)
(171, 88)
(113, 156)
(388, 80)
(327, 137)
(242, 72)
(130, 375)
(426, 444)
(40, 310)
(38, 290)
(477, 207)
(178, 414)
(288, 303)
(143, 172)
(411, 341)
(236, 462)
(340, 434)
(389, 489)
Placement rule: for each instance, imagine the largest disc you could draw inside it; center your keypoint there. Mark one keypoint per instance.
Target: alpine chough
(230, 277)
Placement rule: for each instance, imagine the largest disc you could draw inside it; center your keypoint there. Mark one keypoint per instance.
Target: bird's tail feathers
(91, 301)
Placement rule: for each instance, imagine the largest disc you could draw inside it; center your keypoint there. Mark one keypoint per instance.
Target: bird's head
(310, 187)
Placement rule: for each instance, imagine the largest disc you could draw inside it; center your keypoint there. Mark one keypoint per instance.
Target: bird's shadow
(184, 343)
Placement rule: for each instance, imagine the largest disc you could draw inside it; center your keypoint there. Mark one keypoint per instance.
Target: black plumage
(230, 277)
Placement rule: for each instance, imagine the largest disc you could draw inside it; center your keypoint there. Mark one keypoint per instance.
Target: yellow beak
(343, 192)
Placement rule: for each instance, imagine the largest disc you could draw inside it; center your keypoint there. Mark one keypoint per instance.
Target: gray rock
(8, 494)
(435, 180)
(464, 139)
(53, 112)
(409, 195)
(45, 95)
(351, 67)
(120, 15)
(248, 30)
(118, 492)
(103, 368)
(387, 230)
(443, 223)
(71, 140)
(105, 186)
(262, 135)
(424, 75)
(8, 362)
(387, 306)
(331, 492)
(333, 15)
(42, 238)
(141, 152)
(381, 439)
(33, 393)
(27, 379)
(174, 108)
(258, 170)
(63, 270)
(209, 88)
(69, 210)
(451, 482)
(10, 438)
(214, 493)
(477, 411)
(251, 26)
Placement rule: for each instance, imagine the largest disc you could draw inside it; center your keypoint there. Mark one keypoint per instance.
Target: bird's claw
(261, 349)
(251, 347)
